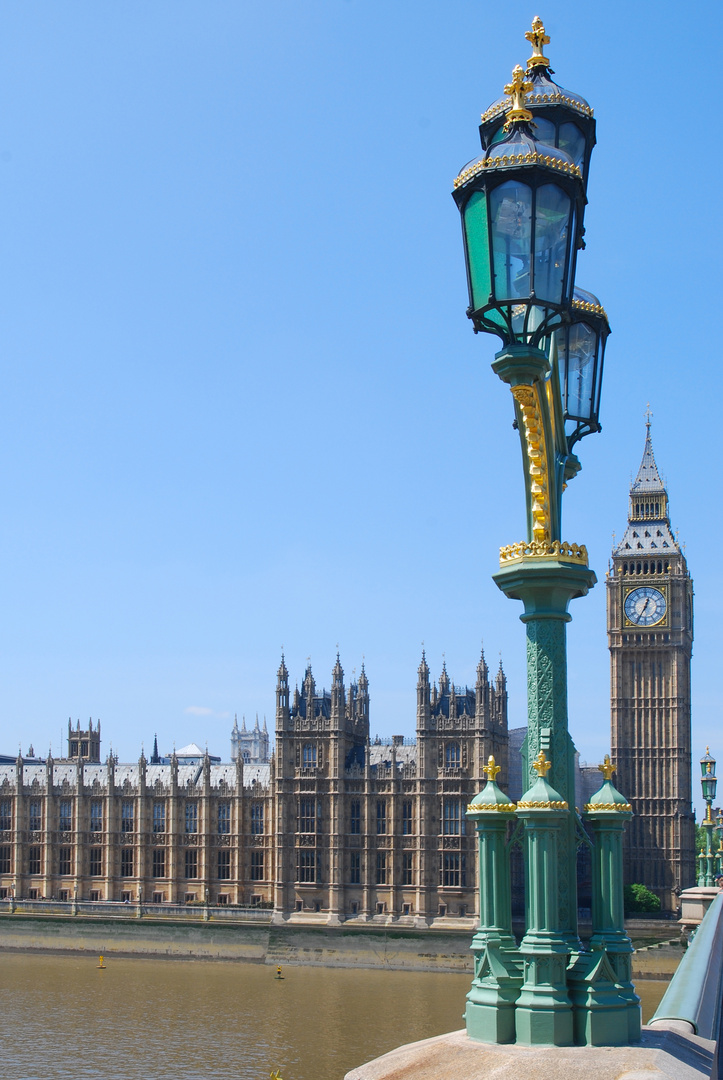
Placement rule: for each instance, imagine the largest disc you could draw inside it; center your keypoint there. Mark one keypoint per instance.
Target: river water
(184, 1020)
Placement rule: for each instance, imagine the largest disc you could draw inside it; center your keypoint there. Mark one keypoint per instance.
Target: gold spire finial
(516, 90)
(541, 765)
(491, 769)
(607, 768)
(537, 38)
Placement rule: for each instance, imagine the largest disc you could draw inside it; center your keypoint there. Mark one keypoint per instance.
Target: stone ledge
(661, 1055)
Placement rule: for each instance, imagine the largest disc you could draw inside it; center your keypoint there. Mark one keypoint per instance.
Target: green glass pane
(478, 248)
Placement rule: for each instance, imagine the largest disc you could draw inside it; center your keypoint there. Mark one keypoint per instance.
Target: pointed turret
(444, 679)
(363, 698)
(155, 756)
(309, 686)
(500, 679)
(423, 692)
(482, 672)
(337, 692)
(648, 480)
(648, 532)
(282, 690)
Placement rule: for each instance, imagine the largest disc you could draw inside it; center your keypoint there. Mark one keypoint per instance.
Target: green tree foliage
(700, 839)
(640, 898)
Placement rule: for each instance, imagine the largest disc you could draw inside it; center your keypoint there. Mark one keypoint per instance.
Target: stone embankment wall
(255, 941)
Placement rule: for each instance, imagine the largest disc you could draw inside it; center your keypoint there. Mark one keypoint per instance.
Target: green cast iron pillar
(607, 1009)
(543, 1014)
(545, 573)
(490, 1012)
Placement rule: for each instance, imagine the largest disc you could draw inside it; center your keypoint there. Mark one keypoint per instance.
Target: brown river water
(150, 1019)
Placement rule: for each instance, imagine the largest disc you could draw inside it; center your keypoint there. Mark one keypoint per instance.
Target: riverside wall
(259, 940)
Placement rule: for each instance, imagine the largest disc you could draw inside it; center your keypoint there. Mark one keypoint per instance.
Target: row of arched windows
(662, 566)
(647, 510)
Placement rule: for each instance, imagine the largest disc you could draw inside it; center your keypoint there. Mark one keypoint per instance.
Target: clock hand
(647, 601)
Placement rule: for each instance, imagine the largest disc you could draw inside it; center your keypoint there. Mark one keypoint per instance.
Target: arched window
(451, 755)
(309, 758)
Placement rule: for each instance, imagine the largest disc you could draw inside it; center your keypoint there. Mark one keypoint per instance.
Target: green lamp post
(522, 205)
(708, 783)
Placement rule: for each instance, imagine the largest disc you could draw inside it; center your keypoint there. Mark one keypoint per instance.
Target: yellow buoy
(101, 963)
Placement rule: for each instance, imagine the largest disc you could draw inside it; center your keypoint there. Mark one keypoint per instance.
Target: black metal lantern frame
(521, 205)
(577, 351)
(708, 779)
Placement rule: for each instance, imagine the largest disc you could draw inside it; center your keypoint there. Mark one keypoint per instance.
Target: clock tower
(650, 635)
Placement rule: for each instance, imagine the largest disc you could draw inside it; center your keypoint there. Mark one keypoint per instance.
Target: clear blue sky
(241, 404)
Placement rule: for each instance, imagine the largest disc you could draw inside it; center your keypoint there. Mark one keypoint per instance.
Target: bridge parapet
(693, 1001)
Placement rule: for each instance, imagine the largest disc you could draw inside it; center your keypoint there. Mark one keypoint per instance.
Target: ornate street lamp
(708, 783)
(522, 203)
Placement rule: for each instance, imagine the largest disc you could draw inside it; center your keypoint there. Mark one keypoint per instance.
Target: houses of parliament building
(333, 823)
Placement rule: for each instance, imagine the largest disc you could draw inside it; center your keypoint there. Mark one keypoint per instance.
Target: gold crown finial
(491, 769)
(537, 39)
(516, 91)
(607, 768)
(541, 765)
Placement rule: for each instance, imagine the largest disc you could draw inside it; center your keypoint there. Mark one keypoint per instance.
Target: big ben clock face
(645, 606)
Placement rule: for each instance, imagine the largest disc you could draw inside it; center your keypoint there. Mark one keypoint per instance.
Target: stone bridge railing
(693, 1002)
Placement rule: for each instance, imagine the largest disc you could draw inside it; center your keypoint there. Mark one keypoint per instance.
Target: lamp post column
(490, 1012)
(543, 1014)
(607, 1007)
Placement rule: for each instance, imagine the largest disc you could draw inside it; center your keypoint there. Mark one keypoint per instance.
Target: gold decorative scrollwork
(495, 808)
(527, 399)
(504, 160)
(622, 808)
(561, 805)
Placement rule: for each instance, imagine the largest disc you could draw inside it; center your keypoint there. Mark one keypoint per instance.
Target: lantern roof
(586, 303)
(519, 146)
(707, 757)
(543, 90)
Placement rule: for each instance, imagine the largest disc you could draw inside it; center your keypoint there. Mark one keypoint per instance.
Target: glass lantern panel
(543, 130)
(511, 220)
(572, 141)
(577, 346)
(476, 235)
(499, 135)
(552, 230)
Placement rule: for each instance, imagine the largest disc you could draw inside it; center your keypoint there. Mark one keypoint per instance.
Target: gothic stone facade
(335, 824)
(650, 634)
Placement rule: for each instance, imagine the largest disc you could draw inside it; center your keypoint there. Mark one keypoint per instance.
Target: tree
(639, 898)
(700, 840)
